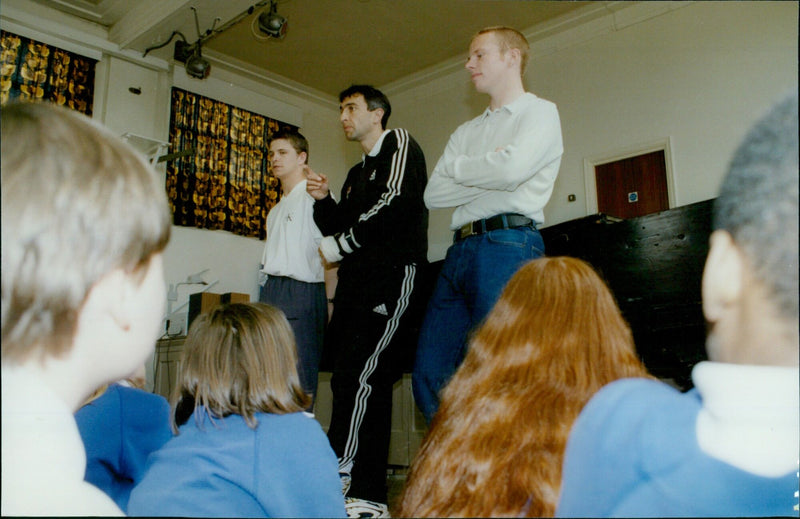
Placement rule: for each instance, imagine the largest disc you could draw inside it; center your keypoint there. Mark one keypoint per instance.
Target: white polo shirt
(292, 246)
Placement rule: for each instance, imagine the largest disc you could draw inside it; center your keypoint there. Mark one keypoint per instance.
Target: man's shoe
(362, 508)
(345, 479)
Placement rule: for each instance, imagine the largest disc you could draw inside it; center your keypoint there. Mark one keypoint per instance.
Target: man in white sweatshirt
(498, 171)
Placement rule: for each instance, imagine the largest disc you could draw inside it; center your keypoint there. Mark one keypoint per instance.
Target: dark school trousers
(306, 308)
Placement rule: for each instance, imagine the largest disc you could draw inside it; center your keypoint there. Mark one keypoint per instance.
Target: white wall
(698, 73)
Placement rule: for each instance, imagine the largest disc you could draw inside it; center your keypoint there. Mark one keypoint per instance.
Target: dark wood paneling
(653, 265)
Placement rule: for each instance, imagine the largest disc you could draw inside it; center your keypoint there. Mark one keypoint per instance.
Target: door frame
(590, 171)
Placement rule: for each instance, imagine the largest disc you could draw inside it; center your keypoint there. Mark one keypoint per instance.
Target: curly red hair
(495, 447)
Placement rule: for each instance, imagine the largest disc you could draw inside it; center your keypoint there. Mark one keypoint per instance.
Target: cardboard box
(201, 303)
(204, 301)
(234, 297)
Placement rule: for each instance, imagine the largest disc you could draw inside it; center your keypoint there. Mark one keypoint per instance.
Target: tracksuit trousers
(367, 334)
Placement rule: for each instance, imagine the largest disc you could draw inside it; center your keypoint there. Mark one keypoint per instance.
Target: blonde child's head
(77, 204)
(239, 358)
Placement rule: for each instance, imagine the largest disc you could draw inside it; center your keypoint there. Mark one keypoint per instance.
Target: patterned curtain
(223, 180)
(30, 70)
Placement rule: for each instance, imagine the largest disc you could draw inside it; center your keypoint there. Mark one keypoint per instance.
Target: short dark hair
(297, 140)
(758, 203)
(375, 99)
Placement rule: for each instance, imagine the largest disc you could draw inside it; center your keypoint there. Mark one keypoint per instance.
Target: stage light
(271, 23)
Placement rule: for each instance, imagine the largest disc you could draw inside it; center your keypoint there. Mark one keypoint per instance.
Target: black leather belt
(500, 221)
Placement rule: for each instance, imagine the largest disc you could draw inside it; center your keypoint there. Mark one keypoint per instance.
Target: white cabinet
(135, 100)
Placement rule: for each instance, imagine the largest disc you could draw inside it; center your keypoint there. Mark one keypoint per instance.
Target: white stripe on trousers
(364, 389)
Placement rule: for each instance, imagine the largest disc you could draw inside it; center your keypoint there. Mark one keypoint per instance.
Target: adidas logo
(372, 176)
(381, 309)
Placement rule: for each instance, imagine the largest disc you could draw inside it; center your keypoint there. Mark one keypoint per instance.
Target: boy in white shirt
(292, 274)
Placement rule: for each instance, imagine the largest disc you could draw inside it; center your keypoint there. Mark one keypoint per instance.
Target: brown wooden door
(633, 187)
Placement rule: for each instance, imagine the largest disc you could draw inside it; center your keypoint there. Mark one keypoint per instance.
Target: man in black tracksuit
(378, 234)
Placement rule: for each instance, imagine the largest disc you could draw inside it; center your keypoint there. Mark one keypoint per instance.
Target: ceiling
(329, 44)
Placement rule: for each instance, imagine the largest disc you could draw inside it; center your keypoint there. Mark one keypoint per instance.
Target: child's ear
(722, 276)
(109, 301)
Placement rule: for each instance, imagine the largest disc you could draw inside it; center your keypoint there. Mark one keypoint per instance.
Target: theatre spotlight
(271, 23)
(197, 66)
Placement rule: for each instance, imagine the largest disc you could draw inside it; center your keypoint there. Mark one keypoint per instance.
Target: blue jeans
(474, 273)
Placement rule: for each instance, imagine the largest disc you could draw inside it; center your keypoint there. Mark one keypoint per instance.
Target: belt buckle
(465, 230)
